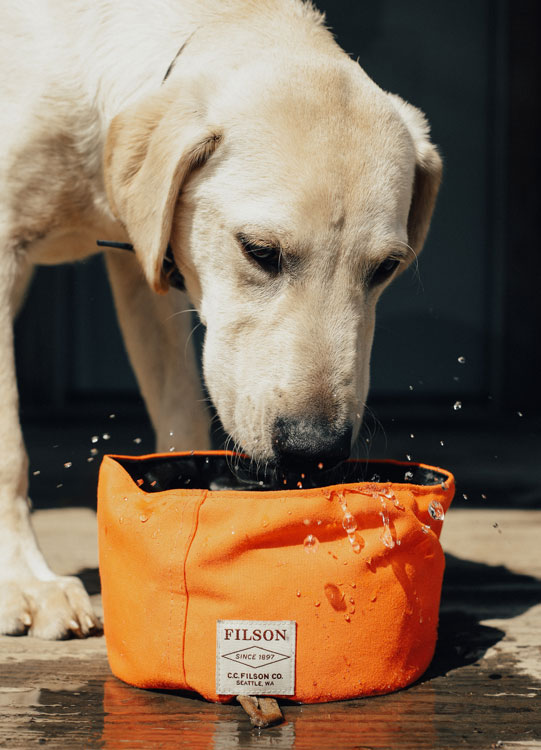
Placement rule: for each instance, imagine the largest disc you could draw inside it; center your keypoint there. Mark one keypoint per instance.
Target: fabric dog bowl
(314, 593)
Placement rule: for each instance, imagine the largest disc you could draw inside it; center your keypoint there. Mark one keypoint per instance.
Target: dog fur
(263, 128)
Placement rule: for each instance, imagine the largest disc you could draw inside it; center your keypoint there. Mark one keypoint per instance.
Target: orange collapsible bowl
(349, 574)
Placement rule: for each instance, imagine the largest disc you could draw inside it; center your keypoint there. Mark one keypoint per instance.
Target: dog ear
(428, 172)
(151, 149)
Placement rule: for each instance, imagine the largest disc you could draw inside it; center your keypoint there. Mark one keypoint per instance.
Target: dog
(289, 188)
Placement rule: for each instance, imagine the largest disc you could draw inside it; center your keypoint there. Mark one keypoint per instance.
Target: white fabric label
(255, 657)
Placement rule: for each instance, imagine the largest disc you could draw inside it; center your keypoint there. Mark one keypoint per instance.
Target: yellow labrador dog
(289, 188)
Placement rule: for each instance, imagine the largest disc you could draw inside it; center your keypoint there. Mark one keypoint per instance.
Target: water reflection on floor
(81, 705)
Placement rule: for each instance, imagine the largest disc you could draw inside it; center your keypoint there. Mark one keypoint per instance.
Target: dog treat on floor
(263, 712)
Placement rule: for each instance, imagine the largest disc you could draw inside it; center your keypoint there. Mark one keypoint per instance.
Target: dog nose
(309, 439)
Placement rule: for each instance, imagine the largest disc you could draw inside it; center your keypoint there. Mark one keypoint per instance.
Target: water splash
(335, 597)
(387, 537)
(349, 523)
(311, 543)
(435, 510)
(357, 542)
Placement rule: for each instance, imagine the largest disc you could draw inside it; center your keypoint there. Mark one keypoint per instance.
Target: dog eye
(383, 271)
(266, 256)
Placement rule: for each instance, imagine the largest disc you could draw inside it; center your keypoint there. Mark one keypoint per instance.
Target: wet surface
(80, 705)
(478, 692)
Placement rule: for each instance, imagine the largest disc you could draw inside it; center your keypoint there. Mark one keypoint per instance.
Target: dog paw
(53, 610)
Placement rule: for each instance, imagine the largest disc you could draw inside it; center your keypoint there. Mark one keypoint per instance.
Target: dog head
(291, 195)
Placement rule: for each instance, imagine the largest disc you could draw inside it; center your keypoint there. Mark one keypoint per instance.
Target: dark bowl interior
(236, 472)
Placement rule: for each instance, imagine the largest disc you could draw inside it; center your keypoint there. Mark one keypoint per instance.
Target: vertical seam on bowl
(189, 541)
(171, 597)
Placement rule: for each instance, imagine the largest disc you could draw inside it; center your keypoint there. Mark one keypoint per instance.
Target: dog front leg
(157, 331)
(32, 598)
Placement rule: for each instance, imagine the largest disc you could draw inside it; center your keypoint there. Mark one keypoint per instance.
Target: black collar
(170, 270)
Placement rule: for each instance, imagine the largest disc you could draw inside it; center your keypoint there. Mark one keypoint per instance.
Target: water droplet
(320, 465)
(207, 460)
(171, 449)
(356, 541)
(90, 459)
(426, 529)
(36, 473)
(171, 433)
(408, 476)
(484, 497)
(298, 593)
(435, 510)
(58, 486)
(303, 476)
(299, 485)
(316, 604)
(457, 405)
(68, 465)
(265, 522)
(465, 496)
(349, 523)
(374, 596)
(442, 443)
(387, 537)
(335, 596)
(520, 414)
(376, 478)
(307, 522)
(410, 387)
(94, 438)
(106, 436)
(311, 543)
(112, 416)
(143, 518)
(139, 482)
(347, 618)
(462, 360)
(121, 519)
(408, 456)
(353, 585)
(94, 451)
(137, 440)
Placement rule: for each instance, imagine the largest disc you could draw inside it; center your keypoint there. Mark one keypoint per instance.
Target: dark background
(473, 68)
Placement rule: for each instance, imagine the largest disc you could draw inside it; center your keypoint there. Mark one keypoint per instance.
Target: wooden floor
(483, 689)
